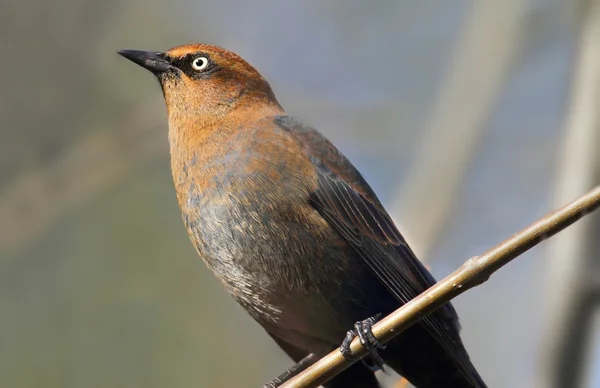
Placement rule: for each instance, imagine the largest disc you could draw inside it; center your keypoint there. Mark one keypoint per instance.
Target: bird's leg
(292, 371)
(362, 330)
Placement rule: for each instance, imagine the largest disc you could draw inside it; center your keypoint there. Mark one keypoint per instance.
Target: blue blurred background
(459, 113)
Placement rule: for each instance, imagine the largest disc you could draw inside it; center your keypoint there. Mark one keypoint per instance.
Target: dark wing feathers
(347, 202)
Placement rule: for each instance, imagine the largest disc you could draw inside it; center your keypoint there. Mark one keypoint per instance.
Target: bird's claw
(362, 330)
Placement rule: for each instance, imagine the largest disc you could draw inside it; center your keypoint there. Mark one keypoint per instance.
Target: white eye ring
(200, 63)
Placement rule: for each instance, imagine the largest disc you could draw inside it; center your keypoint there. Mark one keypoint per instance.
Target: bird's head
(203, 80)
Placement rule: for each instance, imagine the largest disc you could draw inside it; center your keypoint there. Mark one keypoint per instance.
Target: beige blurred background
(470, 119)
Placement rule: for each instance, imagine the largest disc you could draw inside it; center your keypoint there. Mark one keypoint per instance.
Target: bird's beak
(156, 62)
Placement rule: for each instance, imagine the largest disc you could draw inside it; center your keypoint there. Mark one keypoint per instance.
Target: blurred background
(470, 119)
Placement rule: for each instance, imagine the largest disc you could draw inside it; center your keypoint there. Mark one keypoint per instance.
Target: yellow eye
(200, 63)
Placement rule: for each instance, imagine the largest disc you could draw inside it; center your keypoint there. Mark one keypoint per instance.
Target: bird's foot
(362, 330)
(292, 371)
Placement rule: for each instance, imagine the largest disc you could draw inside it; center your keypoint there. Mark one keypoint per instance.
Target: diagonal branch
(473, 272)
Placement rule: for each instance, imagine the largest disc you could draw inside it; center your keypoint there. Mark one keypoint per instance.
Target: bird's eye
(200, 63)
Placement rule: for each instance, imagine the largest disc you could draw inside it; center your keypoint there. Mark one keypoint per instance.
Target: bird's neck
(196, 141)
(192, 129)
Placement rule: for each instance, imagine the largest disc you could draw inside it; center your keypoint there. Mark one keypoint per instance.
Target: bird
(291, 228)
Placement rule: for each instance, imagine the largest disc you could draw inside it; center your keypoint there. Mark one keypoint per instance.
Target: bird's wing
(346, 201)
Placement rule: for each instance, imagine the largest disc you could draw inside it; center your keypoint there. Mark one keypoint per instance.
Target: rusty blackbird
(289, 225)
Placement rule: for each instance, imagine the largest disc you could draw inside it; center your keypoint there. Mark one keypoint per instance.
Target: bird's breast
(245, 206)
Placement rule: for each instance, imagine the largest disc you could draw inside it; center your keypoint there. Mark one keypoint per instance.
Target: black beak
(156, 62)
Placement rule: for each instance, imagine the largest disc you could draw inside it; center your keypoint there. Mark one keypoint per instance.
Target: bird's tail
(426, 364)
(355, 376)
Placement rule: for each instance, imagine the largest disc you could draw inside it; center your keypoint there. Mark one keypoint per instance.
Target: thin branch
(473, 272)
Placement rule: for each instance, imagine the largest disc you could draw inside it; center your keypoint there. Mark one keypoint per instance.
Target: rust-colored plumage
(289, 225)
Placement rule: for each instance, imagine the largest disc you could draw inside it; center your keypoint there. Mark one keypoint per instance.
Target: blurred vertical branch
(573, 268)
(485, 52)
